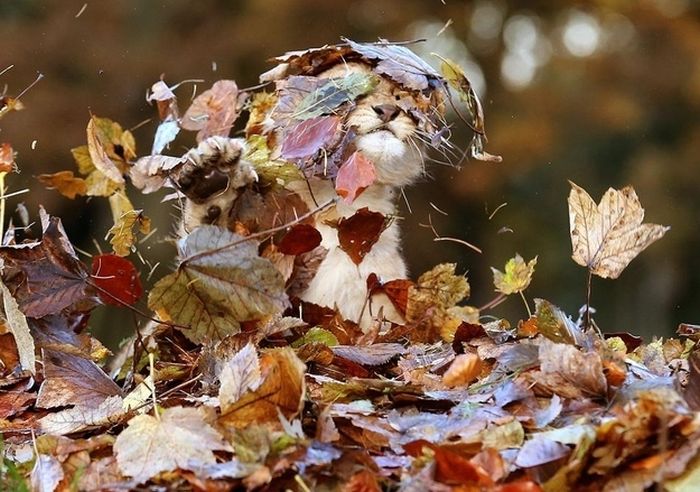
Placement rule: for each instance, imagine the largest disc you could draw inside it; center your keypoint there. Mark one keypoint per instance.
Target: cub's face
(385, 133)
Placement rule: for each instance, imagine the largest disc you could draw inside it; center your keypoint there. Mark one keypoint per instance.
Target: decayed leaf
(65, 183)
(117, 278)
(73, 380)
(357, 234)
(354, 175)
(48, 273)
(282, 390)
(17, 323)
(123, 238)
(464, 369)
(181, 438)
(214, 111)
(517, 275)
(239, 375)
(219, 282)
(607, 236)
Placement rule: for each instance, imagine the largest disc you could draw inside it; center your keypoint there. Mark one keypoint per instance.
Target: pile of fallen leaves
(233, 383)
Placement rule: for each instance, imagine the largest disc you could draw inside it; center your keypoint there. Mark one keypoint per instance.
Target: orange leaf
(463, 370)
(65, 183)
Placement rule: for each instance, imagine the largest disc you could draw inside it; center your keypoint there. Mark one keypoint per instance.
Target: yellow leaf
(65, 183)
(607, 236)
(123, 238)
(517, 275)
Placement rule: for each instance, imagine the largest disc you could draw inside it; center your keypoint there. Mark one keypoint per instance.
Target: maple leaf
(354, 175)
(180, 438)
(607, 236)
(517, 275)
(213, 112)
(65, 183)
(47, 275)
(17, 323)
(220, 282)
(123, 238)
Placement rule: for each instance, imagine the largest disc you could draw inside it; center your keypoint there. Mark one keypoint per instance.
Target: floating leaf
(607, 236)
(48, 273)
(213, 112)
(123, 238)
(358, 233)
(65, 182)
(220, 282)
(117, 278)
(180, 438)
(7, 158)
(150, 173)
(354, 175)
(517, 275)
(99, 156)
(17, 323)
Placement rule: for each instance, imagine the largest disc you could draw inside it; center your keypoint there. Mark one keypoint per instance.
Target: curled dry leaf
(213, 112)
(358, 233)
(150, 173)
(17, 323)
(354, 175)
(65, 183)
(100, 159)
(282, 391)
(220, 282)
(607, 236)
(79, 418)
(464, 369)
(517, 275)
(117, 278)
(180, 438)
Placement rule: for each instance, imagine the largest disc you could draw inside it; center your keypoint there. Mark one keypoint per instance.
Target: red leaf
(300, 239)
(354, 175)
(357, 234)
(307, 137)
(116, 278)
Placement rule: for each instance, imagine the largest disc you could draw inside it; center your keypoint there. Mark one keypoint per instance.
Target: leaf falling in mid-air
(516, 277)
(354, 175)
(220, 282)
(65, 183)
(214, 111)
(122, 232)
(607, 236)
(117, 279)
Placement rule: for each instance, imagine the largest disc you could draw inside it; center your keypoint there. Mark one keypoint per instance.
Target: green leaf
(517, 276)
(270, 172)
(220, 282)
(333, 93)
(318, 335)
(554, 324)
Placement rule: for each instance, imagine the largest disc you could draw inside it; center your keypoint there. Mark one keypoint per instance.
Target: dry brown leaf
(239, 375)
(464, 369)
(607, 236)
(180, 438)
(99, 156)
(17, 323)
(65, 183)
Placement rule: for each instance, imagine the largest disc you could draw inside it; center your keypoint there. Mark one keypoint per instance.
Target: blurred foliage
(604, 93)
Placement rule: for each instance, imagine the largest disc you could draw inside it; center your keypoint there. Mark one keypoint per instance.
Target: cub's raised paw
(211, 179)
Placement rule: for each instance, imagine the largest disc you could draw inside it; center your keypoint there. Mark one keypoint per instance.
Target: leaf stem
(527, 306)
(587, 322)
(493, 302)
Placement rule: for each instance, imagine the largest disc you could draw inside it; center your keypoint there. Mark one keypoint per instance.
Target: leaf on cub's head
(65, 183)
(354, 175)
(220, 282)
(606, 237)
(300, 239)
(306, 138)
(358, 233)
(117, 279)
(45, 276)
(517, 275)
(213, 112)
(7, 158)
(122, 232)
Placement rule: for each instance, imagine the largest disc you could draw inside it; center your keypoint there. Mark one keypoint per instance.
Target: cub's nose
(386, 112)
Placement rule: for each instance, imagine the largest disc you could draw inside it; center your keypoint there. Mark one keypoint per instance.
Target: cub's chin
(397, 163)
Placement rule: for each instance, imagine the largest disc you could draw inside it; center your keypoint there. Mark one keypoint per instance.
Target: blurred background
(604, 93)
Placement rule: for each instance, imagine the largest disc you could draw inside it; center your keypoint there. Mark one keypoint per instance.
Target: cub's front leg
(211, 179)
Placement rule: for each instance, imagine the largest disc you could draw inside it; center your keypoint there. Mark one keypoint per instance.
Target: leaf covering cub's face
(385, 133)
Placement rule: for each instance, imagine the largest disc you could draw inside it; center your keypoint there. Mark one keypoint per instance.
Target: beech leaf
(220, 282)
(181, 438)
(607, 236)
(517, 275)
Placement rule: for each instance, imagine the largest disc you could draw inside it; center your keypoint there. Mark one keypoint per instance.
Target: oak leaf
(516, 277)
(180, 438)
(220, 282)
(607, 236)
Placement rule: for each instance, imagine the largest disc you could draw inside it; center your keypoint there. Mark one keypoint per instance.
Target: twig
(527, 306)
(459, 241)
